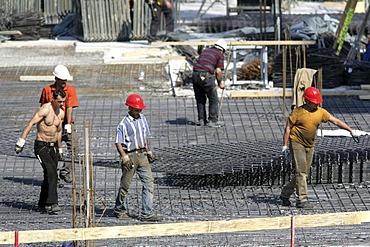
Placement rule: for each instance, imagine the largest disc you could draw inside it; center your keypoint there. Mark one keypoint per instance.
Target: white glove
(356, 135)
(19, 145)
(127, 163)
(68, 128)
(60, 157)
(285, 151)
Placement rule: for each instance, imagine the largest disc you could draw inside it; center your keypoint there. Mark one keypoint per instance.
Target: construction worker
(157, 7)
(48, 139)
(61, 74)
(208, 69)
(300, 130)
(133, 147)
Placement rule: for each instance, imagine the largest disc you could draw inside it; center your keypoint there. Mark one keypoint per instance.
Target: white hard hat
(61, 72)
(221, 43)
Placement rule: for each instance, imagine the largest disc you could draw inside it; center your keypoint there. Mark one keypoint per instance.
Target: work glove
(355, 135)
(60, 154)
(68, 128)
(153, 9)
(154, 12)
(19, 145)
(127, 163)
(285, 152)
(150, 156)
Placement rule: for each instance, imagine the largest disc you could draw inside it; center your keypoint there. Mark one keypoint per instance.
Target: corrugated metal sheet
(16, 6)
(55, 9)
(99, 20)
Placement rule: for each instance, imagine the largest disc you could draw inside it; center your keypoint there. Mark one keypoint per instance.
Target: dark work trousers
(46, 154)
(156, 20)
(67, 138)
(203, 89)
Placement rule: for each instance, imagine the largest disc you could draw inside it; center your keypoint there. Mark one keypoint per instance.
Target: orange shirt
(305, 124)
(71, 96)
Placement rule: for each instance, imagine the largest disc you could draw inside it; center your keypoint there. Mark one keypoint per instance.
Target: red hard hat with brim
(135, 101)
(313, 95)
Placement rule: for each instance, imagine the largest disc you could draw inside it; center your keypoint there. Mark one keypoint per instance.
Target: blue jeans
(143, 169)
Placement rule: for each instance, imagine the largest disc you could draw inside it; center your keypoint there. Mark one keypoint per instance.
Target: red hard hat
(313, 95)
(135, 101)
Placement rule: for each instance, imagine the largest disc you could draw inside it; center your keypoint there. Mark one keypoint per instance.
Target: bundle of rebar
(260, 163)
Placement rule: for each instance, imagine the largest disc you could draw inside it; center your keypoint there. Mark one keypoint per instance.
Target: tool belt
(136, 151)
(46, 144)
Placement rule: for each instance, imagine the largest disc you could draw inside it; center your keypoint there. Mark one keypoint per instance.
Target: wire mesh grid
(201, 173)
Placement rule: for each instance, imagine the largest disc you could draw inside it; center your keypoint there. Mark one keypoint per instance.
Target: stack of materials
(28, 23)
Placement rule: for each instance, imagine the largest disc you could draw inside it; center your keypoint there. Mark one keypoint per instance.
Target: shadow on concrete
(180, 121)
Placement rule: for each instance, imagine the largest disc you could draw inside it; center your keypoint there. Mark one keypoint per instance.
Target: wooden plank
(49, 78)
(248, 8)
(142, 52)
(10, 32)
(257, 94)
(364, 97)
(238, 43)
(200, 227)
(280, 93)
(365, 86)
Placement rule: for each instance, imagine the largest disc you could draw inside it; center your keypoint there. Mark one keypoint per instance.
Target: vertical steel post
(234, 67)
(264, 67)
(87, 175)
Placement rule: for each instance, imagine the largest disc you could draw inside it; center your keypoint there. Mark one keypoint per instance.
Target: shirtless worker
(47, 148)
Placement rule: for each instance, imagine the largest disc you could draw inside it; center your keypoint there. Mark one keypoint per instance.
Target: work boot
(121, 215)
(151, 218)
(285, 201)
(152, 39)
(201, 122)
(216, 124)
(304, 205)
(66, 177)
(53, 209)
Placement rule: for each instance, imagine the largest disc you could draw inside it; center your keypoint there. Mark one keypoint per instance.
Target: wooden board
(49, 78)
(237, 43)
(200, 227)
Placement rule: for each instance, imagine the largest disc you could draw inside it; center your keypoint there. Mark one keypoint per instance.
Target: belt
(203, 73)
(47, 144)
(137, 151)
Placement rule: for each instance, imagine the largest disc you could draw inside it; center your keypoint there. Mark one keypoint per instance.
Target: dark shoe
(66, 178)
(53, 209)
(214, 124)
(304, 205)
(121, 215)
(152, 39)
(152, 218)
(285, 201)
(201, 123)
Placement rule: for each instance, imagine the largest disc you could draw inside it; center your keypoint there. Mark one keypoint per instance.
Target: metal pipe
(87, 175)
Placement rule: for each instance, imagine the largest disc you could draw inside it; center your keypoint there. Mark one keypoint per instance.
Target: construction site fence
(96, 20)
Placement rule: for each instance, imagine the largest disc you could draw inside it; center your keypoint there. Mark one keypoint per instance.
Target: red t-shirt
(71, 96)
